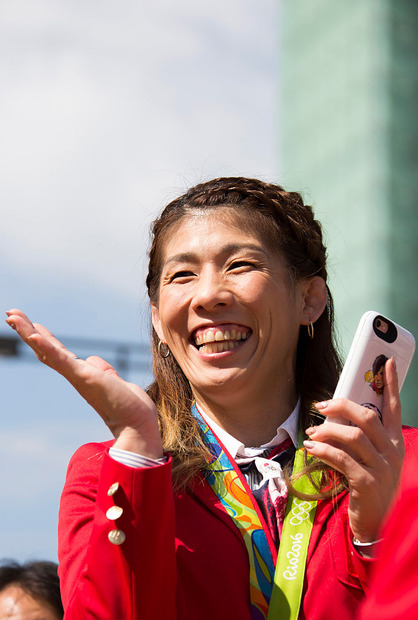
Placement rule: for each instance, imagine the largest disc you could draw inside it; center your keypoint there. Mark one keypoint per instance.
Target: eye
(178, 275)
(238, 264)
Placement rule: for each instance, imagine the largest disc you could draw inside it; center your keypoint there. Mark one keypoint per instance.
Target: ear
(315, 297)
(156, 322)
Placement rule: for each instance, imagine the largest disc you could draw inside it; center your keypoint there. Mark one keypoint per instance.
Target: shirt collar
(289, 428)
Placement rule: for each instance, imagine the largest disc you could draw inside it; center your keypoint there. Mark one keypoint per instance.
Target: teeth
(219, 336)
(218, 347)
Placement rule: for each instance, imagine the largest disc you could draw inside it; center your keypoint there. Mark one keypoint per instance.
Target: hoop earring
(163, 349)
(311, 330)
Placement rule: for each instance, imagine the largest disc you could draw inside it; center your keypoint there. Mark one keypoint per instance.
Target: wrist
(131, 440)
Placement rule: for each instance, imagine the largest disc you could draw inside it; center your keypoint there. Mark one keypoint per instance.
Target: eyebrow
(230, 248)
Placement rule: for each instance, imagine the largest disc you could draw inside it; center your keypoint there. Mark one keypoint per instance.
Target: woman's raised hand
(369, 454)
(125, 408)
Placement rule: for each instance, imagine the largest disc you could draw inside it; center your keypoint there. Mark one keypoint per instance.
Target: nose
(211, 291)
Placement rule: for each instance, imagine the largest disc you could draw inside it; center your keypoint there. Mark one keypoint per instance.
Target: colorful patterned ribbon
(235, 496)
(230, 487)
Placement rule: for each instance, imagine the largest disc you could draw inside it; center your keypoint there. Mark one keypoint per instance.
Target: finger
(371, 488)
(25, 328)
(350, 439)
(101, 364)
(56, 356)
(47, 348)
(47, 334)
(375, 477)
(18, 321)
(337, 458)
(355, 414)
(38, 337)
(53, 353)
(15, 311)
(363, 417)
(391, 411)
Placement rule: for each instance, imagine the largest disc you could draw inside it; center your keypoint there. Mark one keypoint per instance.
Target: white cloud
(107, 111)
(105, 107)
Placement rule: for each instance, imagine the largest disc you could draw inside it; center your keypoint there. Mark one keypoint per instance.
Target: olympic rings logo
(300, 511)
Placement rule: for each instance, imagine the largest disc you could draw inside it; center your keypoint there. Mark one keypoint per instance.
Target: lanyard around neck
(275, 594)
(227, 482)
(289, 576)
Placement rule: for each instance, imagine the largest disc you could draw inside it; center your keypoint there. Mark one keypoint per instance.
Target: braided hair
(288, 227)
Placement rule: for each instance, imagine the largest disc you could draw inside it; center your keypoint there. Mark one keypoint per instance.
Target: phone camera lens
(384, 329)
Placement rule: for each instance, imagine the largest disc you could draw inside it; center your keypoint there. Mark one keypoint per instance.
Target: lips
(220, 338)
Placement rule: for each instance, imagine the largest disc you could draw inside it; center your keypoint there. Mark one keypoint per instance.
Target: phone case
(377, 338)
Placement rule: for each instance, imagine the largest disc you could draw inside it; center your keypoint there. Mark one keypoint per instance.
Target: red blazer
(183, 557)
(393, 591)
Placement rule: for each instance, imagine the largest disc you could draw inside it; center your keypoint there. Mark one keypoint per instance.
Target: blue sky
(107, 111)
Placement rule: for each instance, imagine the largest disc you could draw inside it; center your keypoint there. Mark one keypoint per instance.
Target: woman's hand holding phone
(362, 433)
(366, 451)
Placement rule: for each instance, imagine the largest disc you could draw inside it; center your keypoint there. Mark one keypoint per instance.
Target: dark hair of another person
(38, 579)
(379, 363)
(287, 226)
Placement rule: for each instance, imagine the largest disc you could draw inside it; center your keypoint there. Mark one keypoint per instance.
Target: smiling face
(227, 308)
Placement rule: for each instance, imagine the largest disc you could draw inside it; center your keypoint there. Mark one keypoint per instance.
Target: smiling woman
(230, 313)
(207, 504)
(240, 249)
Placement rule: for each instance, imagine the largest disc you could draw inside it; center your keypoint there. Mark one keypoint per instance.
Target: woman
(30, 591)
(181, 516)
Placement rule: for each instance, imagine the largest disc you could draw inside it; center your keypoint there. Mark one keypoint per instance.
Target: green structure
(349, 143)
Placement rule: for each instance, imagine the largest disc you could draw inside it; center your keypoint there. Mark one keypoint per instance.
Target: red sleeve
(365, 568)
(393, 593)
(135, 579)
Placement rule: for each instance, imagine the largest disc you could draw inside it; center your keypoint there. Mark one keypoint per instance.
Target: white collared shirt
(236, 448)
(266, 470)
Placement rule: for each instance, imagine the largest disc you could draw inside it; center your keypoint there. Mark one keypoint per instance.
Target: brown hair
(289, 227)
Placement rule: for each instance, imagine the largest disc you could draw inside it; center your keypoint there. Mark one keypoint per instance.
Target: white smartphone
(377, 338)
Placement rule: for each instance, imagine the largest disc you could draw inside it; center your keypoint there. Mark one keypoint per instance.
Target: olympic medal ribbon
(236, 498)
(293, 550)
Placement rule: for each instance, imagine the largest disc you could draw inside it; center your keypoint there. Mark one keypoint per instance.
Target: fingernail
(322, 405)
(310, 431)
(10, 323)
(308, 444)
